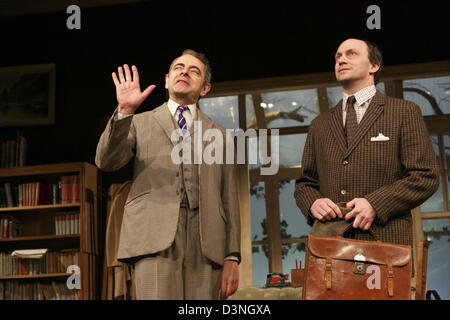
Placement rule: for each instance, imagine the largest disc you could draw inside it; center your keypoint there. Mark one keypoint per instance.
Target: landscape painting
(27, 95)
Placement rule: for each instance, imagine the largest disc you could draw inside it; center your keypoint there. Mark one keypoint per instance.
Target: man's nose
(341, 60)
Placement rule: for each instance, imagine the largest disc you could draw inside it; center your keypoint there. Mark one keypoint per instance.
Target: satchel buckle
(359, 267)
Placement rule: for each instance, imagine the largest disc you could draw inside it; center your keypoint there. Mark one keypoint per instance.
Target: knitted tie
(351, 124)
(181, 119)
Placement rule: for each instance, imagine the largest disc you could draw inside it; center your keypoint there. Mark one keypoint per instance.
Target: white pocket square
(380, 137)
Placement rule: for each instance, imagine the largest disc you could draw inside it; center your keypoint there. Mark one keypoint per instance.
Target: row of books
(51, 262)
(68, 223)
(10, 227)
(66, 191)
(14, 152)
(15, 290)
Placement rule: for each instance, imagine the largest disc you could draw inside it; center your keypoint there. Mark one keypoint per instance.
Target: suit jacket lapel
(204, 124)
(374, 110)
(165, 121)
(337, 128)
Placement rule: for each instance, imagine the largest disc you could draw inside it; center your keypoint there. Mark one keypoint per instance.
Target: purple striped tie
(351, 123)
(181, 120)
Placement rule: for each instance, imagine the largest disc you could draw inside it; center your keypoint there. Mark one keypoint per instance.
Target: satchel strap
(350, 226)
(390, 275)
(328, 272)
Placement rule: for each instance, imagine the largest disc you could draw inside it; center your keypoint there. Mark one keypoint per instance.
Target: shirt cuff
(233, 258)
(121, 115)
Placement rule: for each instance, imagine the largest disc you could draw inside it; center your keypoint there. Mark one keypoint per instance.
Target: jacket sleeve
(117, 144)
(420, 170)
(307, 185)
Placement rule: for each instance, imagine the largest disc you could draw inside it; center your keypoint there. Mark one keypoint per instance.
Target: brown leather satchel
(338, 268)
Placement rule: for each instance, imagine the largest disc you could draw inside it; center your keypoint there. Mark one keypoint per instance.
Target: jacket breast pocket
(136, 199)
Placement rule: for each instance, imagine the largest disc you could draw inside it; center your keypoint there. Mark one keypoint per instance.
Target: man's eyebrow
(195, 67)
(178, 64)
(190, 67)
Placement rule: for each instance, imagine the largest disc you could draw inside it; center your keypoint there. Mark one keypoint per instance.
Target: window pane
(335, 94)
(258, 211)
(260, 264)
(293, 222)
(432, 95)
(290, 253)
(290, 149)
(250, 112)
(437, 231)
(436, 202)
(253, 155)
(223, 110)
(290, 108)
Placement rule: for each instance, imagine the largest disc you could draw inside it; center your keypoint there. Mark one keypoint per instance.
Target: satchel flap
(339, 248)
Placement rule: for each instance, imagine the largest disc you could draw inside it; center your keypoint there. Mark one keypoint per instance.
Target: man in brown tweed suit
(371, 151)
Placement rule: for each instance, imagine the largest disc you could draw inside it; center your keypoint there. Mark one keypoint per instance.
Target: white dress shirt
(189, 115)
(363, 99)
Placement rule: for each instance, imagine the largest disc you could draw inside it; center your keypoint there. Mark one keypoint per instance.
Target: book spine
(66, 190)
(9, 197)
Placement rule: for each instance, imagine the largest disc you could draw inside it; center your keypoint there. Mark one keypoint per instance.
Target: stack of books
(65, 191)
(14, 152)
(67, 223)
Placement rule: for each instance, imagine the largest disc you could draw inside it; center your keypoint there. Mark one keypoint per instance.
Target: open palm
(128, 90)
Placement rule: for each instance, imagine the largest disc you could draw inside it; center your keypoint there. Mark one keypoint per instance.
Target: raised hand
(128, 90)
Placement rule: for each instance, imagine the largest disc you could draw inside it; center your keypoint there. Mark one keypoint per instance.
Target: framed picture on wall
(27, 95)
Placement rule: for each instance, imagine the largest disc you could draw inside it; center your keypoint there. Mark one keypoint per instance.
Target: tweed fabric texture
(394, 175)
(180, 272)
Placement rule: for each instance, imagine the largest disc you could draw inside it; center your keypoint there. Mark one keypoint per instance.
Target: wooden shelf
(34, 238)
(40, 207)
(45, 169)
(40, 222)
(36, 276)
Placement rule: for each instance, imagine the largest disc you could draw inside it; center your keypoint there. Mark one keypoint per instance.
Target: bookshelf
(74, 241)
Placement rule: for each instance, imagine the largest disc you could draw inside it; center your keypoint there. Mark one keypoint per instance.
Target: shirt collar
(172, 105)
(361, 96)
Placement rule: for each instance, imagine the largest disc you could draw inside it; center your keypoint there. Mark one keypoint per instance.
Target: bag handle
(350, 226)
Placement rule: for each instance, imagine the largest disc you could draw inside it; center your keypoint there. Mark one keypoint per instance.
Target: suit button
(345, 162)
(178, 193)
(177, 174)
(343, 192)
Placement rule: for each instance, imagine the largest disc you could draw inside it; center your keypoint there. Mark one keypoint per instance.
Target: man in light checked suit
(371, 151)
(181, 223)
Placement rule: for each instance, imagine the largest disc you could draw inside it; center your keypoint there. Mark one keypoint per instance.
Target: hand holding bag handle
(350, 226)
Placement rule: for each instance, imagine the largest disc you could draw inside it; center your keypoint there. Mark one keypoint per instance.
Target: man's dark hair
(203, 59)
(375, 56)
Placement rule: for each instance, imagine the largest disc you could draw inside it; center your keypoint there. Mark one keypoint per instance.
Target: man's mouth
(182, 81)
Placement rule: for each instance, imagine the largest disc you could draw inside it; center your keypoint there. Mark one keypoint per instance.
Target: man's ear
(167, 80)
(205, 90)
(374, 67)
